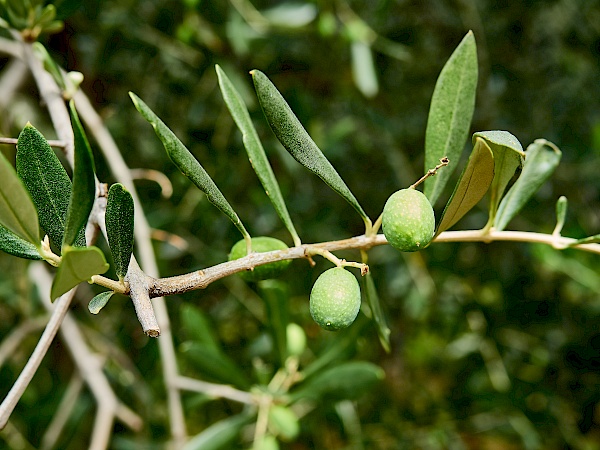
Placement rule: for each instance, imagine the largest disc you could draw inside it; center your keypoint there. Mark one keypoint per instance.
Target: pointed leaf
(119, 227)
(197, 327)
(450, 113)
(561, 214)
(363, 69)
(508, 157)
(348, 380)
(78, 264)
(588, 240)
(17, 211)
(220, 435)
(47, 182)
(255, 150)
(187, 163)
(99, 301)
(541, 159)
(16, 246)
(292, 135)
(383, 331)
(84, 184)
(471, 187)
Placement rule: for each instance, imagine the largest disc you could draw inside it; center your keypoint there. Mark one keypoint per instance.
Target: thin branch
(59, 311)
(147, 258)
(202, 278)
(215, 390)
(13, 141)
(13, 340)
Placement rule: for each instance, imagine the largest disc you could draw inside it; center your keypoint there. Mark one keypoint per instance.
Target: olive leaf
(348, 380)
(255, 150)
(188, 164)
(472, 185)
(77, 264)
(99, 301)
(450, 113)
(364, 74)
(221, 434)
(17, 246)
(292, 135)
(47, 182)
(84, 184)
(197, 327)
(119, 221)
(17, 211)
(541, 159)
(508, 157)
(372, 298)
(561, 214)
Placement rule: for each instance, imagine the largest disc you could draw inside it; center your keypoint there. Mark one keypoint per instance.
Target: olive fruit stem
(364, 269)
(431, 172)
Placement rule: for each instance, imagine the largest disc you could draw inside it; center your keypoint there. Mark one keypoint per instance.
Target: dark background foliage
(493, 346)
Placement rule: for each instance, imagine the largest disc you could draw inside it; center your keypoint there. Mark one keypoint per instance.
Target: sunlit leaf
(47, 182)
(187, 163)
(255, 150)
(220, 435)
(541, 159)
(78, 264)
(348, 380)
(471, 186)
(450, 114)
(508, 157)
(370, 291)
(16, 246)
(17, 211)
(363, 69)
(84, 183)
(99, 301)
(119, 227)
(292, 135)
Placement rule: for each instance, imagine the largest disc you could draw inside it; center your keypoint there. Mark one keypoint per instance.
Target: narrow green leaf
(84, 183)
(78, 264)
(197, 327)
(541, 159)
(383, 331)
(220, 435)
(348, 380)
(471, 187)
(255, 150)
(17, 211)
(450, 113)
(363, 69)
(119, 227)
(187, 164)
(277, 298)
(214, 364)
(508, 157)
(99, 301)
(588, 240)
(47, 182)
(16, 246)
(561, 214)
(292, 135)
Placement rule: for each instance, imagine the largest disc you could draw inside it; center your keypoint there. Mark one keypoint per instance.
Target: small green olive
(261, 244)
(408, 220)
(335, 299)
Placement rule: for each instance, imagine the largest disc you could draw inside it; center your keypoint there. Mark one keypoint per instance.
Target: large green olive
(261, 244)
(408, 220)
(335, 299)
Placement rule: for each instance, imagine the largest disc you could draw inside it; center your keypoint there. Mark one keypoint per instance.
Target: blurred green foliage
(493, 346)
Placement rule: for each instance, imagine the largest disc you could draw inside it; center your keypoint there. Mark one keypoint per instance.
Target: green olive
(335, 299)
(260, 245)
(408, 220)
